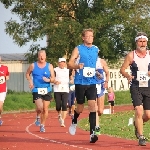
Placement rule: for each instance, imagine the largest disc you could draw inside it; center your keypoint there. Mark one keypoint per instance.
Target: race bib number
(42, 91)
(2, 79)
(98, 87)
(143, 78)
(88, 72)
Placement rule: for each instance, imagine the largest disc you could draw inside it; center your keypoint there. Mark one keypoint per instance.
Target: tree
(115, 24)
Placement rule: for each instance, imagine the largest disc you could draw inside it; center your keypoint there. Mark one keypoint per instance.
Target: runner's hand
(31, 86)
(105, 85)
(130, 78)
(148, 73)
(81, 65)
(57, 82)
(46, 79)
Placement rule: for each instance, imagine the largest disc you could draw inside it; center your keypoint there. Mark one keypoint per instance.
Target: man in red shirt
(4, 75)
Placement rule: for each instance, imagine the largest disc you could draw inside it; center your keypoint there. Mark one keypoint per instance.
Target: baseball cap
(61, 59)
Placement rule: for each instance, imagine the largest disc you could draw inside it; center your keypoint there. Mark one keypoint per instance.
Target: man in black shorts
(139, 62)
(85, 80)
(43, 74)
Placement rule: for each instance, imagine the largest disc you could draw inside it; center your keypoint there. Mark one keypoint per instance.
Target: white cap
(61, 59)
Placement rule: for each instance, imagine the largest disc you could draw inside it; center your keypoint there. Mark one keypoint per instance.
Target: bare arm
(28, 73)
(114, 96)
(7, 74)
(105, 67)
(128, 60)
(52, 73)
(71, 64)
(52, 78)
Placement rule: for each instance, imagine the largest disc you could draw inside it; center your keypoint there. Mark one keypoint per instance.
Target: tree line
(115, 22)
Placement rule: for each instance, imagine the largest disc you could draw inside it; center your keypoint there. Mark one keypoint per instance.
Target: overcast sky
(6, 43)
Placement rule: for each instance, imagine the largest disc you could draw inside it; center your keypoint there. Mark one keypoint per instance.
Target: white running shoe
(62, 123)
(72, 129)
(60, 119)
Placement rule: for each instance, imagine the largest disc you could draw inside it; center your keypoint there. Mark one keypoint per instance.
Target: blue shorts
(71, 98)
(102, 91)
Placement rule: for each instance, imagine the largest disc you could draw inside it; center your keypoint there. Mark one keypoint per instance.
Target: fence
(18, 82)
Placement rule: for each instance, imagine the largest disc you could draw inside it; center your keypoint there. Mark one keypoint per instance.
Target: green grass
(122, 97)
(23, 101)
(117, 125)
(16, 101)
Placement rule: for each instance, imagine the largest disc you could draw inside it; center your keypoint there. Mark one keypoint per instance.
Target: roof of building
(13, 57)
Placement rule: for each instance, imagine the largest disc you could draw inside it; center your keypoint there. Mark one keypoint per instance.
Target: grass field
(23, 101)
(117, 125)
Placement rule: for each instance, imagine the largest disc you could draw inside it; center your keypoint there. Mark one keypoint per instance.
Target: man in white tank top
(139, 79)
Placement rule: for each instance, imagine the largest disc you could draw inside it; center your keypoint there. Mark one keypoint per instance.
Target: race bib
(88, 72)
(72, 88)
(42, 91)
(143, 78)
(98, 87)
(2, 80)
(63, 88)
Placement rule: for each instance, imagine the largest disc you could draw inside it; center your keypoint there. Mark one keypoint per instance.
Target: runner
(139, 62)
(4, 75)
(71, 99)
(61, 90)
(43, 74)
(102, 76)
(85, 80)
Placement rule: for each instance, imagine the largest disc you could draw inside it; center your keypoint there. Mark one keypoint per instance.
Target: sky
(7, 44)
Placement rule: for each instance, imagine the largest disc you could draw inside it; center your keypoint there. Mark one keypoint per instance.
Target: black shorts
(140, 96)
(46, 97)
(112, 103)
(82, 91)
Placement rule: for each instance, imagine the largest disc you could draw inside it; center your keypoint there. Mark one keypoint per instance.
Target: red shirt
(3, 73)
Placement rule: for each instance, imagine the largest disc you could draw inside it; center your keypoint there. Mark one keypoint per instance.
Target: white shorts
(2, 96)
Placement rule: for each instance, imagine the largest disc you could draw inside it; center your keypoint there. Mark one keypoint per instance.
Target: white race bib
(88, 72)
(98, 87)
(72, 87)
(63, 88)
(2, 79)
(143, 78)
(42, 91)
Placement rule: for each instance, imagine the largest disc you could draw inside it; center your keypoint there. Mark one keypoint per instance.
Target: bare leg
(44, 113)
(39, 109)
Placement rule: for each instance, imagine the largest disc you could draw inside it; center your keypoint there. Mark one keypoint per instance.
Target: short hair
(41, 51)
(86, 30)
(141, 33)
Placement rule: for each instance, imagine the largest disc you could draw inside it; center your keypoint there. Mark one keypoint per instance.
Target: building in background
(17, 64)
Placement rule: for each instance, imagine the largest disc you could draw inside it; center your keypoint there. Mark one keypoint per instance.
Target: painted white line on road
(53, 141)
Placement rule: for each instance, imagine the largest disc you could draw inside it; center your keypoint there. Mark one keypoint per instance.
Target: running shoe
(1, 122)
(72, 129)
(42, 128)
(142, 141)
(37, 122)
(93, 138)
